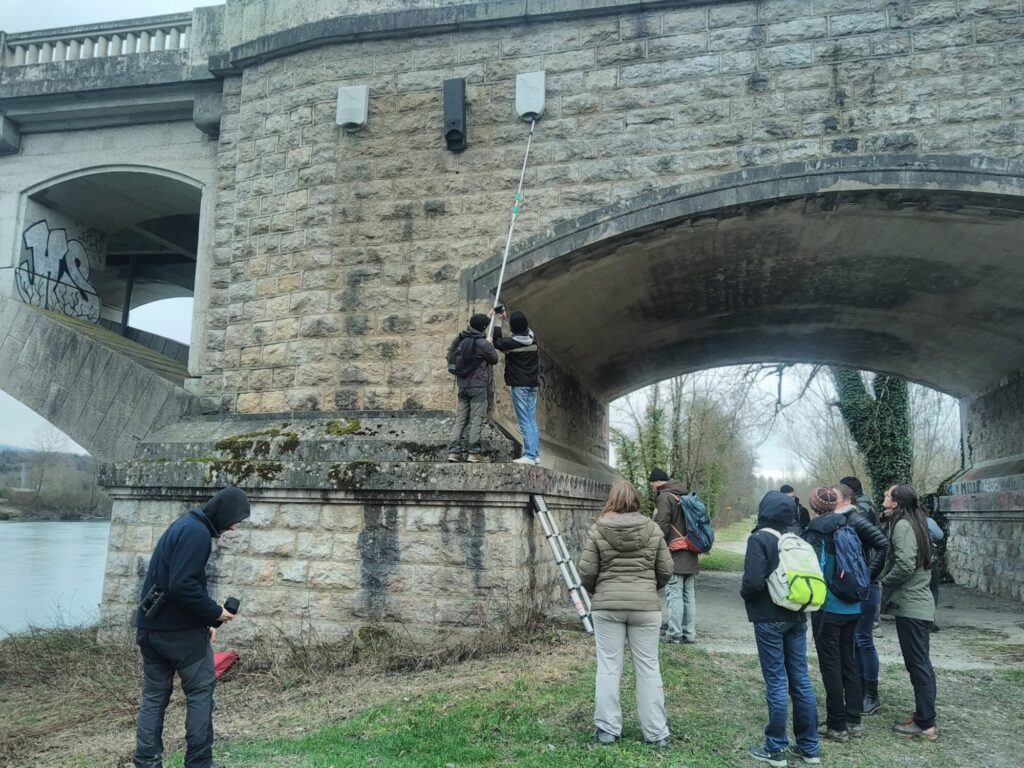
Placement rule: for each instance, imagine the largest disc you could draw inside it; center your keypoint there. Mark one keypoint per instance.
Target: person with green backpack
(782, 582)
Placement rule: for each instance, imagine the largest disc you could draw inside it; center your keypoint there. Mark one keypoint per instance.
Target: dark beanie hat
(228, 507)
(479, 322)
(824, 500)
(786, 489)
(657, 475)
(518, 323)
(853, 484)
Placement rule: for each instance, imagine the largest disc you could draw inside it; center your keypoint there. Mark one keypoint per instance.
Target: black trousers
(834, 639)
(914, 636)
(188, 653)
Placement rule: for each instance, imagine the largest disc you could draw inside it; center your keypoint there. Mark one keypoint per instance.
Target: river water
(51, 574)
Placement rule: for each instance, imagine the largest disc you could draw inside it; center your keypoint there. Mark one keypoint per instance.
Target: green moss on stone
(352, 476)
(350, 427)
(289, 442)
(419, 451)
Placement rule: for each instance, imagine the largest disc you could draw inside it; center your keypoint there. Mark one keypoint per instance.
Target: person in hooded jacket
(522, 375)
(781, 637)
(803, 517)
(681, 592)
(472, 398)
(834, 627)
(624, 563)
(875, 544)
(176, 637)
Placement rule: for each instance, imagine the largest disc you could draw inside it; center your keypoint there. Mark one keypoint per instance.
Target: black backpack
(462, 359)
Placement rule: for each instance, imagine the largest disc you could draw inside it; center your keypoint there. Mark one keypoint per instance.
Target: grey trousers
(611, 631)
(187, 652)
(681, 599)
(469, 416)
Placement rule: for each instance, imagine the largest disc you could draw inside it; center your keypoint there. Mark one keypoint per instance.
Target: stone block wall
(992, 423)
(985, 551)
(335, 277)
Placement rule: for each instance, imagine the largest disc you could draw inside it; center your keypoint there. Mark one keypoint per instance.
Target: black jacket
(522, 358)
(485, 355)
(867, 509)
(178, 564)
(776, 511)
(873, 540)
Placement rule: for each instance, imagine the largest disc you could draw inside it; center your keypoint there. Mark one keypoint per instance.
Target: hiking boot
(934, 627)
(855, 731)
(778, 759)
(828, 733)
(689, 640)
(454, 457)
(478, 458)
(603, 737)
(672, 640)
(798, 754)
(871, 702)
(658, 743)
(908, 720)
(913, 730)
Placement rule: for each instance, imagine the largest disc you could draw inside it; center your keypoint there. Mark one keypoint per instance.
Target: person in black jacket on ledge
(174, 631)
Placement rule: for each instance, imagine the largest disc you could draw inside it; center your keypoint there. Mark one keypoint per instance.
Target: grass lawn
(716, 711)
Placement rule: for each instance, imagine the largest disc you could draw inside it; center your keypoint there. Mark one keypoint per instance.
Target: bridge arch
(852, 261)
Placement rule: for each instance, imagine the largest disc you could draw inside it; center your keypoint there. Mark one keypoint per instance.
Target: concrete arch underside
(105, 392)
(907, 265)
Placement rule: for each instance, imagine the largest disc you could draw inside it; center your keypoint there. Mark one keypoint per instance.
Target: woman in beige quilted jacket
(624, 563)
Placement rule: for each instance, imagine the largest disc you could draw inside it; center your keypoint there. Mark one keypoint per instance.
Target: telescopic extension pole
(511, 226)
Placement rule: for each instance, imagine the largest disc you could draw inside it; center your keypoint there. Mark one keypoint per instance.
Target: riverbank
(28, 513)
(522, 699)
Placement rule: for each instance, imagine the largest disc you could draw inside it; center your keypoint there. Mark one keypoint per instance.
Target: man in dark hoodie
(681, 592)
(803, 517)
(175, 637)
(781, 637)
(522, 374)
(472, 405)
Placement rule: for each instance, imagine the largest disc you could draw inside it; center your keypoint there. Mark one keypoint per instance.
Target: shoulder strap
(772, 531)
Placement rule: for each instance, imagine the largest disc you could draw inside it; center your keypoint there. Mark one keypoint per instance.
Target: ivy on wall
(879, 422)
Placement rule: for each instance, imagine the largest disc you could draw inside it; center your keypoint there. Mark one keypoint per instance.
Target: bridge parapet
(93, 41)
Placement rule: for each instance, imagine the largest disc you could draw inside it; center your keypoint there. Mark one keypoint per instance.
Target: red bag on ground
(223, 661)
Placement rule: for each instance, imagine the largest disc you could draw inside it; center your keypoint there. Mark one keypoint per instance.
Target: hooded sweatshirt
(776, 511)
(624, 563)
(178, 564)
(522, 359)
(485, 356)
(819, 535)
(667, 514)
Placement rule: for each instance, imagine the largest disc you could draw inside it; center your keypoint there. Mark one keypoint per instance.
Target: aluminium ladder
(571, 577)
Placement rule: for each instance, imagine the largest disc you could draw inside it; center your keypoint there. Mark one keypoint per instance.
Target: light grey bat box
(353, 106)
(530, 95)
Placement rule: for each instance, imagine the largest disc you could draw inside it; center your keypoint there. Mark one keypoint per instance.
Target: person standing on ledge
(470, 357)
(175, 628)
(522, 375)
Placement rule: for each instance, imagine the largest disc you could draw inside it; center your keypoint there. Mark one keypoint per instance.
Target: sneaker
(855, 731)
(478, 458)
(453, 457)
(658, 743)
(828, 733)
(672, 640)
(876, 629)
(603, 737)
(798, 754)
(524, 460)
(689, 640)
(778, 759)
(913, 730)
(908, 720)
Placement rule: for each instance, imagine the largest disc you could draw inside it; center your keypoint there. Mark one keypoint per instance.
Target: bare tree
(47, 442)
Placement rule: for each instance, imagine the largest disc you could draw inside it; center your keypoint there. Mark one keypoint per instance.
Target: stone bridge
(711, 183)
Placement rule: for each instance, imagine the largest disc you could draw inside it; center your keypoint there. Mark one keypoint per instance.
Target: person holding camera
(470, 357)
(175, 623)
(522, 375)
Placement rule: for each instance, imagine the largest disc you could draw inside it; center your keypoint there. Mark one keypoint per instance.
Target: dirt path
(978, 631)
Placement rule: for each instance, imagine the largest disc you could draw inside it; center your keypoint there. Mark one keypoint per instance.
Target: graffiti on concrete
(54, 272)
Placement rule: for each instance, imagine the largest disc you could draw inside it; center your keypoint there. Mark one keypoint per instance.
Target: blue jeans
(782, 649)
(524, 401)
(864, 642)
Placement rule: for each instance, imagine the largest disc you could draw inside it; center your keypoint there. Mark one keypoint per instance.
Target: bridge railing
(94, 41)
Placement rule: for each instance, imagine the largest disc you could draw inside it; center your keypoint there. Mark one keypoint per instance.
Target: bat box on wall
(353, 105)
(454, 99)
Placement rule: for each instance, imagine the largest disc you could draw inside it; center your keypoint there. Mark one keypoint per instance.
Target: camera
(231, 605)
(153, 601)
(499, 309)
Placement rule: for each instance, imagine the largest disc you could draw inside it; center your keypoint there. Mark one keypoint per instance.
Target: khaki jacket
(624, 563)
(667, 514)
(906, 589)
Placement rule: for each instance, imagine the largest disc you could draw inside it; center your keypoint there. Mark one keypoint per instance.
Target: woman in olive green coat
(906, 593)
(624, 563)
